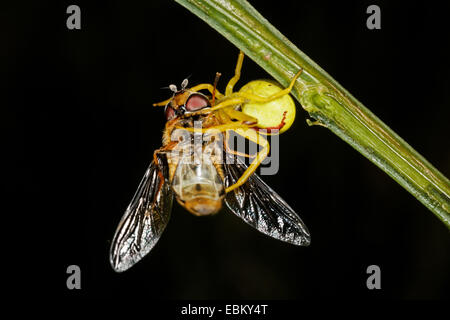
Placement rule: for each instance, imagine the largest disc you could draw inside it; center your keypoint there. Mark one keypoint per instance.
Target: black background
(82, 132)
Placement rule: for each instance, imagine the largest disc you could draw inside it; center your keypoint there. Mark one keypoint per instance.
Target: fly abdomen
(198, 186)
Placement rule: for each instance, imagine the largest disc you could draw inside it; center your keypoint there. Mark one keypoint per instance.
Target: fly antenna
(184, 84)
(173, 88)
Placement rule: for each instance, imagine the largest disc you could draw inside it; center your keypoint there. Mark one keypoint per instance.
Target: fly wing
(144, 220)
(261, 207)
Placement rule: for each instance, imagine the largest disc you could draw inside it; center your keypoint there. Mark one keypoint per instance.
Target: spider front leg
(255, 137)
(231, 151)
(240, 98)
(237, 74)
(226, 102)
(219, 128)
(230, 114)
(207, 86)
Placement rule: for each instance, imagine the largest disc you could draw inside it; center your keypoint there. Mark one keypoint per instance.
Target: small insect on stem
(202, 176)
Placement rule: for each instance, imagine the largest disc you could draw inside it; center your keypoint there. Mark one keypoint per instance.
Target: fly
(202, 174)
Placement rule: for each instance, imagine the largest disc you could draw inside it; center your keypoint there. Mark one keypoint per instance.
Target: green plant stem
(326, 101)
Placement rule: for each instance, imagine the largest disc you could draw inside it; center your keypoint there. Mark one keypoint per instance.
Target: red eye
(170, 113)
(196, 102)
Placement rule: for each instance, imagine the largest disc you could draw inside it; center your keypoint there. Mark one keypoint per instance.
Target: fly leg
(161, 150)
(158, 168)
(157, 163)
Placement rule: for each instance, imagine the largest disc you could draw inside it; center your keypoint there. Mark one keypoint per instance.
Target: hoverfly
(202, 176)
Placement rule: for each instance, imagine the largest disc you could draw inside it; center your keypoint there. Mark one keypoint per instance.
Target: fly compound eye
(169, 112)
(196, 102)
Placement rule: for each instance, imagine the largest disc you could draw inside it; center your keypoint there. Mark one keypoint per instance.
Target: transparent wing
(144, 220)
(261, 207)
